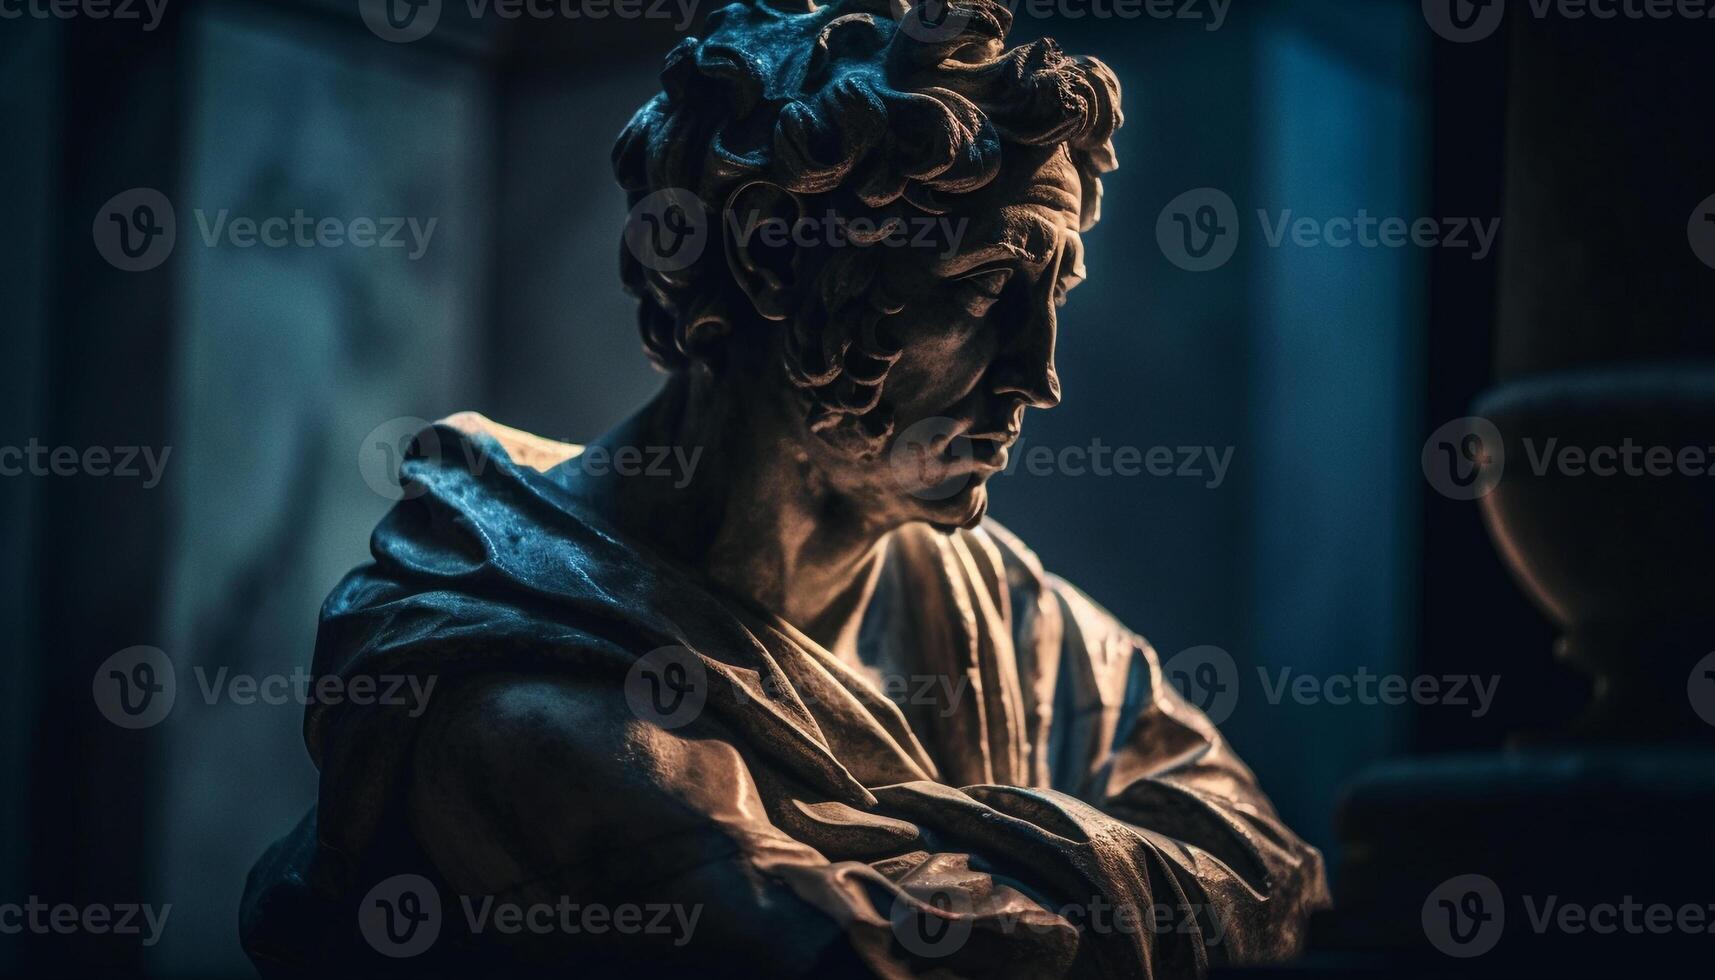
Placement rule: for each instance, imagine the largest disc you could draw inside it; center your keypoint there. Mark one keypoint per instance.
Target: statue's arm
(1141, 752)
(535, 789)
(530, 788)
(1112, 731)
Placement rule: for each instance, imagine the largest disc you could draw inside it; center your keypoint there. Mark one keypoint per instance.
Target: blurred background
(264, 373)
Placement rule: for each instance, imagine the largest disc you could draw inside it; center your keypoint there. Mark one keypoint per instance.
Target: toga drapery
(1035, 800)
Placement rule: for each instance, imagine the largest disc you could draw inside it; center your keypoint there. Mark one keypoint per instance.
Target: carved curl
(840, 101)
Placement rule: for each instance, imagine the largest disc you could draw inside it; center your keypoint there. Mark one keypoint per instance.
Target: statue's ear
(762, 252)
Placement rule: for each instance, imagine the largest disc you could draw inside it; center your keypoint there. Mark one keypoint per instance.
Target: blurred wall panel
(567, 358)
(100, 534)
(295, 365)
(1335, 387)
(29, 97)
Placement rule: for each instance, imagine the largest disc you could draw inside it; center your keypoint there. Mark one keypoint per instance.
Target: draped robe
(1035, 801)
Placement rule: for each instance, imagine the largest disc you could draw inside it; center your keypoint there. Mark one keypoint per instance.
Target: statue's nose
(1026, 366)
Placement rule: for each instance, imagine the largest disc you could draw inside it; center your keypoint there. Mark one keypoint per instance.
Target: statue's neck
(742, 504)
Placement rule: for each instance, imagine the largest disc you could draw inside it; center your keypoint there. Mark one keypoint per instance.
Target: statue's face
(978, 334)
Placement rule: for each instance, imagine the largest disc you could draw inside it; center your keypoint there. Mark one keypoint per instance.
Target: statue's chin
(963, 511)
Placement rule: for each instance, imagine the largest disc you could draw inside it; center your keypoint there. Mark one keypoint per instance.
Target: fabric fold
(1047, 775)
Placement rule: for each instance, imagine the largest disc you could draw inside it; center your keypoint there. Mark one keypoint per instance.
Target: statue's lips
(962, 459)
(984, 454)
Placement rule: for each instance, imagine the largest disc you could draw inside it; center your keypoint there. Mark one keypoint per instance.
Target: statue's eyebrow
(1051, 194)
(1031, 240)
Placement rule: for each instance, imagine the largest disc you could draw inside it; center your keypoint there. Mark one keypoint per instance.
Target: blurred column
(1604, 339)
(100, 544)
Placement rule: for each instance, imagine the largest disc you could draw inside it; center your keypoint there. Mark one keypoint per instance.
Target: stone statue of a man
(800, 710)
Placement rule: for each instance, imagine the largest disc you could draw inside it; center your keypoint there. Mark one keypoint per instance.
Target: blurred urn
(1604, 510)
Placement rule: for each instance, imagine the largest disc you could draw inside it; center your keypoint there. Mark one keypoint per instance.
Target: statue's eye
(982, 289)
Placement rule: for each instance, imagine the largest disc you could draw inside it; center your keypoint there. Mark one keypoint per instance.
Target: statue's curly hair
(860, 102)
